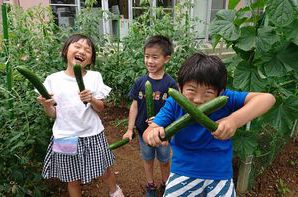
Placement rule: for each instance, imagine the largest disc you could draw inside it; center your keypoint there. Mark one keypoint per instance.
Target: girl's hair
(205, 70)
(74, 38)
(163, 42)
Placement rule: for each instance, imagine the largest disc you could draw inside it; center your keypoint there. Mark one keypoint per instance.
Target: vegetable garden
(263, 35)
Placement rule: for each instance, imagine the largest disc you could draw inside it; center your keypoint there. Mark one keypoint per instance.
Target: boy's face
(79, 53)
(198, 93)
(155, 59)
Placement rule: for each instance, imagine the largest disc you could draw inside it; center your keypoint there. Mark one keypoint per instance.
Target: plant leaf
(224, 26)
(247, 78)
(247, 41)
(281, 12)
(266, 39)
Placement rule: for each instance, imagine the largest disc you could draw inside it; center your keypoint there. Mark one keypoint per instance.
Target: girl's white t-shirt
(73, 118)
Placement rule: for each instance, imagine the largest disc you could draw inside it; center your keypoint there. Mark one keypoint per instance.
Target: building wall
(28, 3)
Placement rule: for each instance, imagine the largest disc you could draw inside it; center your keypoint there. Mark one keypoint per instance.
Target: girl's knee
(74, 184)
(107, 173)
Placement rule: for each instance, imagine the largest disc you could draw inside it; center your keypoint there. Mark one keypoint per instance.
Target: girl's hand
(226, 129)
(152, 137)
(46, 103)
(86, 96)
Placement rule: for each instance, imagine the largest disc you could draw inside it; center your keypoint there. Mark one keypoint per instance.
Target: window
(65, 11)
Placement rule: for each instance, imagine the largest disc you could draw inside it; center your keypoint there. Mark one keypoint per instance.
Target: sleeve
(101, 90)
(133, 93)
(166, 114)
(236, 99)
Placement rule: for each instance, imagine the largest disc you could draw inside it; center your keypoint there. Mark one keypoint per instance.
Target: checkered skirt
(93, 158)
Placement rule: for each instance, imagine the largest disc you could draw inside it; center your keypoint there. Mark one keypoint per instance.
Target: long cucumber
(190, 108)
(34, 80)
(149, 99)
(77, 69)
(206, 108)
(120, 143)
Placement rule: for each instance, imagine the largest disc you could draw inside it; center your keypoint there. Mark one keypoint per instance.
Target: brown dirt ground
(129, 172)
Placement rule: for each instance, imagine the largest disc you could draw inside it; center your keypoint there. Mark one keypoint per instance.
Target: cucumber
(120, 143)
(28, 74)
(206, 108)
(190, 108)
(149, 99)
(77, 69)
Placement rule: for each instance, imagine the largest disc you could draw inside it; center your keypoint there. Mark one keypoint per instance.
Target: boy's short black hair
(74, 38)
(163, 42)
(205, 70)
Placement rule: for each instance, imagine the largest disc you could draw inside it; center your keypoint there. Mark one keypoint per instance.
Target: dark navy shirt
(160, 94)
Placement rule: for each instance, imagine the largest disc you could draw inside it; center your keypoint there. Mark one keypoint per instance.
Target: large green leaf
(244, 143)
(283, 114)
(281, 12)
(247, 41)
(266, 39)
(291, 32)
(224, 26)
(247, 78)
(280, 63)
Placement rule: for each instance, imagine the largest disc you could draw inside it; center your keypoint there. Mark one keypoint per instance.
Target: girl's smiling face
(79, 52)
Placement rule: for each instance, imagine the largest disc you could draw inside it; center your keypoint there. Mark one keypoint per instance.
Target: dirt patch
(281, 179)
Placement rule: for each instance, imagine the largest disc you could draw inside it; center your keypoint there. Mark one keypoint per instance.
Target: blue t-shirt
(196, 153)
(160, 94)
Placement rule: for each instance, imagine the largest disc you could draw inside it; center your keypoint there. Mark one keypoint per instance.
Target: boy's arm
(133, 112)
(153, 134)
(255, 105)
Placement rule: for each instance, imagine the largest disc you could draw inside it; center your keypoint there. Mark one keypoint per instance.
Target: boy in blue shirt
(157, 50)
(202, 161)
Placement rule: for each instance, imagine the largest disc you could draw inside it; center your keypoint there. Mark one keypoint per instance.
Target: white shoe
(117, 193)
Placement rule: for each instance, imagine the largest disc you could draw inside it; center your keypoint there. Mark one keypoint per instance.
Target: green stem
(6, 43)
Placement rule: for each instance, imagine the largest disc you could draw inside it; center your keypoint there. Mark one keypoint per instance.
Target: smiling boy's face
(198, 93)
(79, 53)
(155, 59)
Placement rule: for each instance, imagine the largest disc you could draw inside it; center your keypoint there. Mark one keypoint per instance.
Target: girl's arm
(48, 105)
(97, 104)
(255, 105)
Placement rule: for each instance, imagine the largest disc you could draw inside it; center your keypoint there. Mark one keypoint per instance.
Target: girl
(78, 150)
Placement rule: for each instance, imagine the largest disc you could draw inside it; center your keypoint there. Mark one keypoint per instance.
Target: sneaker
(150, 190)
(117, 193)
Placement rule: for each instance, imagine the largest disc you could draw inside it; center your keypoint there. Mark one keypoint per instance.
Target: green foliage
(129, 54)
(282, 187)
(264, 36)
(34, 42)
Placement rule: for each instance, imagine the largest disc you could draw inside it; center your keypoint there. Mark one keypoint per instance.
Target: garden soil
(280, 178)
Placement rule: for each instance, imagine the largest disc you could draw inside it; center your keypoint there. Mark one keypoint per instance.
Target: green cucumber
(190, 108)
(28, 74)
(149, 99)
(77, 69)
(206, 108)
(120, 143)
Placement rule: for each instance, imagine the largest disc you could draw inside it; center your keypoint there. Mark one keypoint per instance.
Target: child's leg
(165, 171)
(74, 189)
(148, 166)
(110, 180)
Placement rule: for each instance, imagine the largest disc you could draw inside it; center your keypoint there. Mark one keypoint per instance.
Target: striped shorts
(186, 186)
(92, 160)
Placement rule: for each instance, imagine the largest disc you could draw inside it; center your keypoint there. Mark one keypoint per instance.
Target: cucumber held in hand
(149, 99)
(207, 108)
(120, 143)
(28, 74)
(77, 69)
(190, 108)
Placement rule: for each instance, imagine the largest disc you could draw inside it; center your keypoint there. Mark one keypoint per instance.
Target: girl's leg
(74, 189)
(110, 180)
